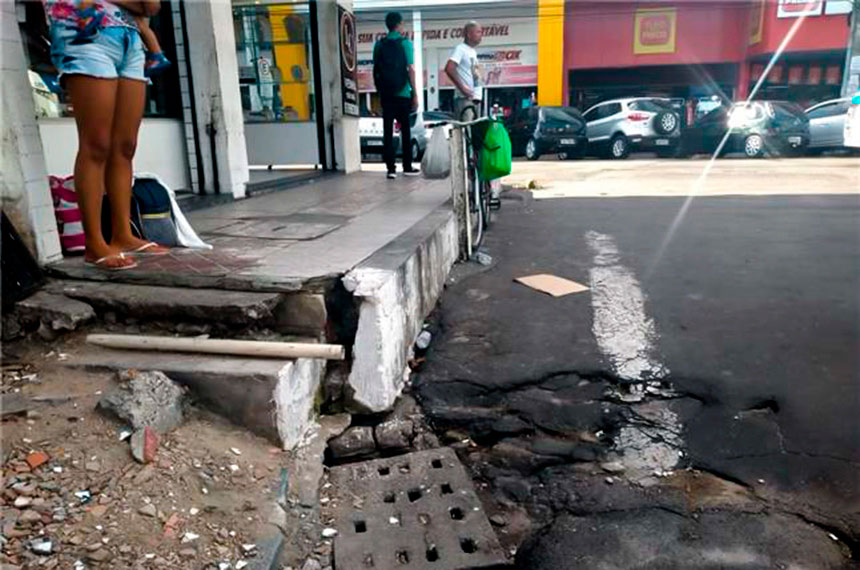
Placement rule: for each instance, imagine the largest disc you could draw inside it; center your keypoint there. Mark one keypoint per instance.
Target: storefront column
(742, 89)
(418, 44)
(26, 197)
(341, 131)
(550, 52)
(432, 64)
(216, 98)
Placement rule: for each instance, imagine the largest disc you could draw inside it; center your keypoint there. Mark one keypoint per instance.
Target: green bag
(494, 160)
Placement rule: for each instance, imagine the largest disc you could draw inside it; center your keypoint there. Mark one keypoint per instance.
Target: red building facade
(701, 48)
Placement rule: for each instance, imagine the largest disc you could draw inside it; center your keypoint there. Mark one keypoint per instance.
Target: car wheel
(532, 150)
(754, 146)
(416, 151)
(619, 147)
(666, 123)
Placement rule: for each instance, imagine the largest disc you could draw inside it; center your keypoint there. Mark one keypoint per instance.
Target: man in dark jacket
(394, 75)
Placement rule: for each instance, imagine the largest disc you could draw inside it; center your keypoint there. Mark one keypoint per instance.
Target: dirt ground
(82, 501)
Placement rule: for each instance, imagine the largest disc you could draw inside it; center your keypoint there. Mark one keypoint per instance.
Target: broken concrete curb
(146, 399)
(356, 440)
(56, 312)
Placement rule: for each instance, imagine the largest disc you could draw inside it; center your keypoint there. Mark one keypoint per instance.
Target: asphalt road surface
(714, 362)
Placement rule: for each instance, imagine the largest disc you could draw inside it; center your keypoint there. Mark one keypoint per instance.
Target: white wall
(26, 198)
(346, 139)
(160, 149)
(282, 143)
(217, 100)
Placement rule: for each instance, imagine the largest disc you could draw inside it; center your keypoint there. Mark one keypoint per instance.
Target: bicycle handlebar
(458, 124)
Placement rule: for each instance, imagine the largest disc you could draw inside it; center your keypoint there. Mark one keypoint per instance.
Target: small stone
(241, 564)
(125, 549)
(329, 533)
(99, 555)
(354, 441)
(395, 433)
(312, 564)
(30, 517)
(148, 510)
(144, 475)
(146, 399)
(189, 537)
(236, 451)
(22, 502)
(98, 511)
(612, 467)
(609, 480)
(187, 553)
(36, 459)
(92, 466)
(498, 520)
(144, 444)
(41, 546)
(24, 489)
(193, 511)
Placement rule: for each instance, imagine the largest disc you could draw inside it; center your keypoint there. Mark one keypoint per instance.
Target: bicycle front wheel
(485, 203)
(476, 211)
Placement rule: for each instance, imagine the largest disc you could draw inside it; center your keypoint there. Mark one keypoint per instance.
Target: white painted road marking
(627, 337)
(623, 331)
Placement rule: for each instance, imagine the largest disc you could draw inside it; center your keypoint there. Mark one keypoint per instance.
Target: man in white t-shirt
(462, 69)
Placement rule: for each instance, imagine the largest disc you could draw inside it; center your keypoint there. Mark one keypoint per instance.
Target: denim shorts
(109, 53)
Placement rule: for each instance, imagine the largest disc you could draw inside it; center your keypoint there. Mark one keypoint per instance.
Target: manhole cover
(412, 511)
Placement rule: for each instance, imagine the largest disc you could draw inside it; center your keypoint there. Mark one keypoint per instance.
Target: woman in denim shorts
(98, 51)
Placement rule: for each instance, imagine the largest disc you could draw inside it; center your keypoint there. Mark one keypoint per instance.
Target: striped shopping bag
(68, 214)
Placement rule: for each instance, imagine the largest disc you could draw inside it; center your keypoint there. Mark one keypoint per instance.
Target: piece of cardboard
(551, 284)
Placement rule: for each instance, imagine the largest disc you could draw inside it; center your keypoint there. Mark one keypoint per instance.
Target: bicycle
(478, 196)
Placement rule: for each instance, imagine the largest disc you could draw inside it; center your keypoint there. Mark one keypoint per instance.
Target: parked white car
(827, 124)
(370, 135)
(851, 131)
(617, 127)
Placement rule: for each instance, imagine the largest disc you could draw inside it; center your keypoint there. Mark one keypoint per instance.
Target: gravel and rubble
(74, 497)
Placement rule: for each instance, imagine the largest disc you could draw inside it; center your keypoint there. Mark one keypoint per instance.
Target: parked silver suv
(617, 127)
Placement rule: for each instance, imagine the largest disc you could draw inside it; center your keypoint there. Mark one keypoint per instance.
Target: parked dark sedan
(542, 130)
(757, 128)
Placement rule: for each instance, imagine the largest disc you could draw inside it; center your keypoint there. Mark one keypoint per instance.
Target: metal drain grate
(416, 511)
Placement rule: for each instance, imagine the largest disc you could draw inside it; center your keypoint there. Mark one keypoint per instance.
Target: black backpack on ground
(151, 213)
(389, 67)
(152, 209)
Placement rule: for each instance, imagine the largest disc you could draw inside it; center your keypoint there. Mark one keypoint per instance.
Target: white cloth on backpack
(185, 234)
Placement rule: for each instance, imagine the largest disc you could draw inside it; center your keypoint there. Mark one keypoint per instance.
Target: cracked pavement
(755, 312)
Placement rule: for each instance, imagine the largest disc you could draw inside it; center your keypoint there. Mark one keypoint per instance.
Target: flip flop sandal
(100, 263)
(142, 250)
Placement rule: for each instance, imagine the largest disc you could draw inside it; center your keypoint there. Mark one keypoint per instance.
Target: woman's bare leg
(93, 100)
(128, 112)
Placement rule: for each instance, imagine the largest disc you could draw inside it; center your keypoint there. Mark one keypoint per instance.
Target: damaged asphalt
(755, 312)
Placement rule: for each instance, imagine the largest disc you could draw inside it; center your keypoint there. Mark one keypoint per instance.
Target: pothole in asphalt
(650, 445)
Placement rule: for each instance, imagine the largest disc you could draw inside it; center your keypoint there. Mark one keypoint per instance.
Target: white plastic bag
(437, 158)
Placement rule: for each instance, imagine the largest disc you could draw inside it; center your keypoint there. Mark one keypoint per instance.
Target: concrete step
(273, 398)
(290, 313)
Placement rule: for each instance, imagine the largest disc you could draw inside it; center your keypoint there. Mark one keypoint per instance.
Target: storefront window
(51, 101)
(273, 49)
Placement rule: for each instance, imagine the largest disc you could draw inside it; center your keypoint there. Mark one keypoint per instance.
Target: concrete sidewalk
(287, 241)
(353, 260)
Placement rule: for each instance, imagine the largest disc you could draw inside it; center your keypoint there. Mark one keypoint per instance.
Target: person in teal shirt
(394, 76)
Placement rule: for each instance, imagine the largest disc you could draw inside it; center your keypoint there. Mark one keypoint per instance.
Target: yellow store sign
(655, 31)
